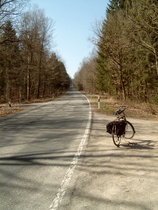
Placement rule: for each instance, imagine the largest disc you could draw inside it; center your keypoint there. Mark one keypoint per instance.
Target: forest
(28, 68)
(125, 64)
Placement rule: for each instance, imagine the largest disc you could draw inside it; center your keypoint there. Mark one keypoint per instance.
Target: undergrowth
(108, 105)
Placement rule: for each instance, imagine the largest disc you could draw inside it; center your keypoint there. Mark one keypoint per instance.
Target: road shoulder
(111, 178)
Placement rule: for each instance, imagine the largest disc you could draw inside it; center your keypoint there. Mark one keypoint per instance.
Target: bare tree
(35, 35)
(85, 78)
(10, 8)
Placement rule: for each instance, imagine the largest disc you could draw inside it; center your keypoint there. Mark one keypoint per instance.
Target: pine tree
(115, 5)
(128, 49)
(10, 59)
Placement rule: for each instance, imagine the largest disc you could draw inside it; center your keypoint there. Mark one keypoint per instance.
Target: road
(112, 178)
(39, 150)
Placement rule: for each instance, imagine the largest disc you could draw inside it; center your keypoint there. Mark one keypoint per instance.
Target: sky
(73, 26)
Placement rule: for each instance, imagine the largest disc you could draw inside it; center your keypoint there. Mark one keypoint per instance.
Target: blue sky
(74, 21)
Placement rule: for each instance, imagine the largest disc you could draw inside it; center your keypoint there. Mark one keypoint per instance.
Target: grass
(6, 110)
(108, 105)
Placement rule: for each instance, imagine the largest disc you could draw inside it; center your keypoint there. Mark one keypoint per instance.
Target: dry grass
(6, 110)
(109, 105)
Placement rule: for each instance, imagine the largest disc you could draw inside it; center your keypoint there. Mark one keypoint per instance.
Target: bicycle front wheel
(116, 138)
(129, 130)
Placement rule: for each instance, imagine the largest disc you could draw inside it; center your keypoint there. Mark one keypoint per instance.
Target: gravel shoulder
(112, 178)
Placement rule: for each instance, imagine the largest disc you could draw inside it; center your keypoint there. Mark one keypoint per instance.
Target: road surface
(39, 150)
(112, 178)
(42, 167)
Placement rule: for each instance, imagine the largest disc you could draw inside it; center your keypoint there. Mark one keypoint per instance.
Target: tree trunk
(156, 62)
(28, 84)
(7, 86)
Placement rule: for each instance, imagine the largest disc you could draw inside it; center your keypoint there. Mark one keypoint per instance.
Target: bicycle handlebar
(119, 111)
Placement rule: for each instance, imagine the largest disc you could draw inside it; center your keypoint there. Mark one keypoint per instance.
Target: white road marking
(65, 182)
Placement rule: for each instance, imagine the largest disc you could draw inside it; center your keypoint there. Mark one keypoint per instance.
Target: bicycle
(120, 127)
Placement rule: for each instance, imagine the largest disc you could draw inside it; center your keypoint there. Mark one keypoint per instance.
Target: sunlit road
(37, 147)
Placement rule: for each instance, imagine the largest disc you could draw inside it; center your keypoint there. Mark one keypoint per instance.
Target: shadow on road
(118, 178)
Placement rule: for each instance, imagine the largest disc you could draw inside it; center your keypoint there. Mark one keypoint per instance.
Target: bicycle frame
(129, 129)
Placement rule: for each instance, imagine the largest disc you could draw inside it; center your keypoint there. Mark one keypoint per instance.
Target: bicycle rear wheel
(129, 130)
(116, 138)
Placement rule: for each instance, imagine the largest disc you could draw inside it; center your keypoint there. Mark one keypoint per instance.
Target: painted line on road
(65, 182)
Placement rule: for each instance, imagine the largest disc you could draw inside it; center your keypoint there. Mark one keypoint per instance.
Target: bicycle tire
(116, 138)
(129, 130)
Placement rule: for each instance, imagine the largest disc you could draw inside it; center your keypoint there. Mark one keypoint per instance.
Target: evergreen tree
(115, 5)
(127, 49)
(10, 60)
(56, 79)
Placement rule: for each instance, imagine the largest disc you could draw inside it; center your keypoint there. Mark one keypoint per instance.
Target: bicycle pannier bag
(120, 127)
(109, 127)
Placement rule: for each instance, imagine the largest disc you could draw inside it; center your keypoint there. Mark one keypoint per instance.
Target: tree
(144, 19)
(127, 49)
(9, 60)
(34, 34)
(103, 76)
(26, 68)
(10, 9)
(57, 78)
(115, 5)
(144, 15)
(85, 78)
(113, 52)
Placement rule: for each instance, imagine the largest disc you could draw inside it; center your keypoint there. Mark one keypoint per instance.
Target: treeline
(28, 68)
(126, 64)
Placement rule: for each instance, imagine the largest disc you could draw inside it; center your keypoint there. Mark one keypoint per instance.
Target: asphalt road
(39, 149)
(112, 178)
